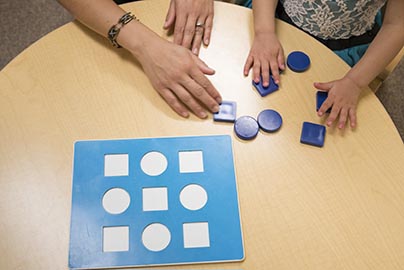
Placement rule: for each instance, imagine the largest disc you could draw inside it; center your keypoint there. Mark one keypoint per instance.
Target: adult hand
(343, 96)
(266, 54)
(192, 21)
(179, 77)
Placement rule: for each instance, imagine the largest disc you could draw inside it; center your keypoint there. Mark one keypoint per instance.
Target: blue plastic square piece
(320, 98)
(154, 201)
(313, 134)
(272, 87)
(227, 112)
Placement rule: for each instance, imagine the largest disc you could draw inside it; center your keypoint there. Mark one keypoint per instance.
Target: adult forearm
(100, 15)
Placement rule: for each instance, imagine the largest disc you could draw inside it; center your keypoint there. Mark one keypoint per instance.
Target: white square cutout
(116, 165)
(155, 199)
(196, 235)
(115, 239)
(191, 161)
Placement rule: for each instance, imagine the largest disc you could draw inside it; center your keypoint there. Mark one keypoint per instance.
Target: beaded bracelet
(114, 30)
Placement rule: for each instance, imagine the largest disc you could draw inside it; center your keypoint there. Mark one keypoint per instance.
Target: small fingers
(343, 115)
(265, 73)
(281, 60)
(352, 117)
(275, 71)
(327, 104)
(323, 86)
(333, 115)
(249, 62)
(256, 71)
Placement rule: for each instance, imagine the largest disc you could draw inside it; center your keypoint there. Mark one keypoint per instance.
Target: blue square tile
(227, 112)
(272, 87)
(313, 134)
(320, 98)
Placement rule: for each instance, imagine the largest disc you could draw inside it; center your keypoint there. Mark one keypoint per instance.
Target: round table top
(302, 207)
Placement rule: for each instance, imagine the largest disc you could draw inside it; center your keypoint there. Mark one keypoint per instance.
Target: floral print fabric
(333, 19)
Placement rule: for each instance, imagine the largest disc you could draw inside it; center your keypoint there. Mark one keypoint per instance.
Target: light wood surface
(302, 207)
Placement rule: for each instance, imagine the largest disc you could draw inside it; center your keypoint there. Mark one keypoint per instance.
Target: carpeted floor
(23, 22)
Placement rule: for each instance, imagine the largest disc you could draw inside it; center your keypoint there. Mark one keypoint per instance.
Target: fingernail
(185, 114)
(320, 113)
(206, 41)
(219, 100)
(203, 115)
(329, 123)
(195, 51)
(215, 108)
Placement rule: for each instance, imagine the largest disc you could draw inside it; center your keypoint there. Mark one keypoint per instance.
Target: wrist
(264, 32)
(354, 81)
(135, 37)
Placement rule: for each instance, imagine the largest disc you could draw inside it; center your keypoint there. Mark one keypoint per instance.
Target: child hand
(343, 96)
(266, 53)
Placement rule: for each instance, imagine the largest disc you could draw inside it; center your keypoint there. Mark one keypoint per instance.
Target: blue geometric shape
(269, 120)
(246, 128)
(227, 112)
(263, 91)
(313, 134)
(321, 96)
(89, 218)
(298, 61)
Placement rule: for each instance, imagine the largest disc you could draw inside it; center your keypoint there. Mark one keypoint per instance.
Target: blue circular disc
(298, 61)
(269, 120)
(246, 128)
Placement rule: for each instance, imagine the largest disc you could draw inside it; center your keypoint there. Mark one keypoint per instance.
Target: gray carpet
(22, 22)
(391, 94)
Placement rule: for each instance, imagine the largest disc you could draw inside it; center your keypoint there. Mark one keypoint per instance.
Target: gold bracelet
(114, 30)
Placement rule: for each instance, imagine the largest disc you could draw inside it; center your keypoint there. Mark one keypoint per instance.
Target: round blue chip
(269, 120)
(246, 127)
(298, 61)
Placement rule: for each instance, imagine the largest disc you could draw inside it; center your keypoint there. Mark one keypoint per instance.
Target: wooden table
(302, 207)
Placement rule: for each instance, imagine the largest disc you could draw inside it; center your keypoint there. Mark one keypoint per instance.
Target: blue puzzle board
(220, 213)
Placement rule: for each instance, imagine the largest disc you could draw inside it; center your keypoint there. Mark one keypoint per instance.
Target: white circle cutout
(116, 201)
(156, 237)
(153, 163)
(193, 197)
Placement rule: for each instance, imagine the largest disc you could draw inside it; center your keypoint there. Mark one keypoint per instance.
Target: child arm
(344, 93)
(266, 52)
